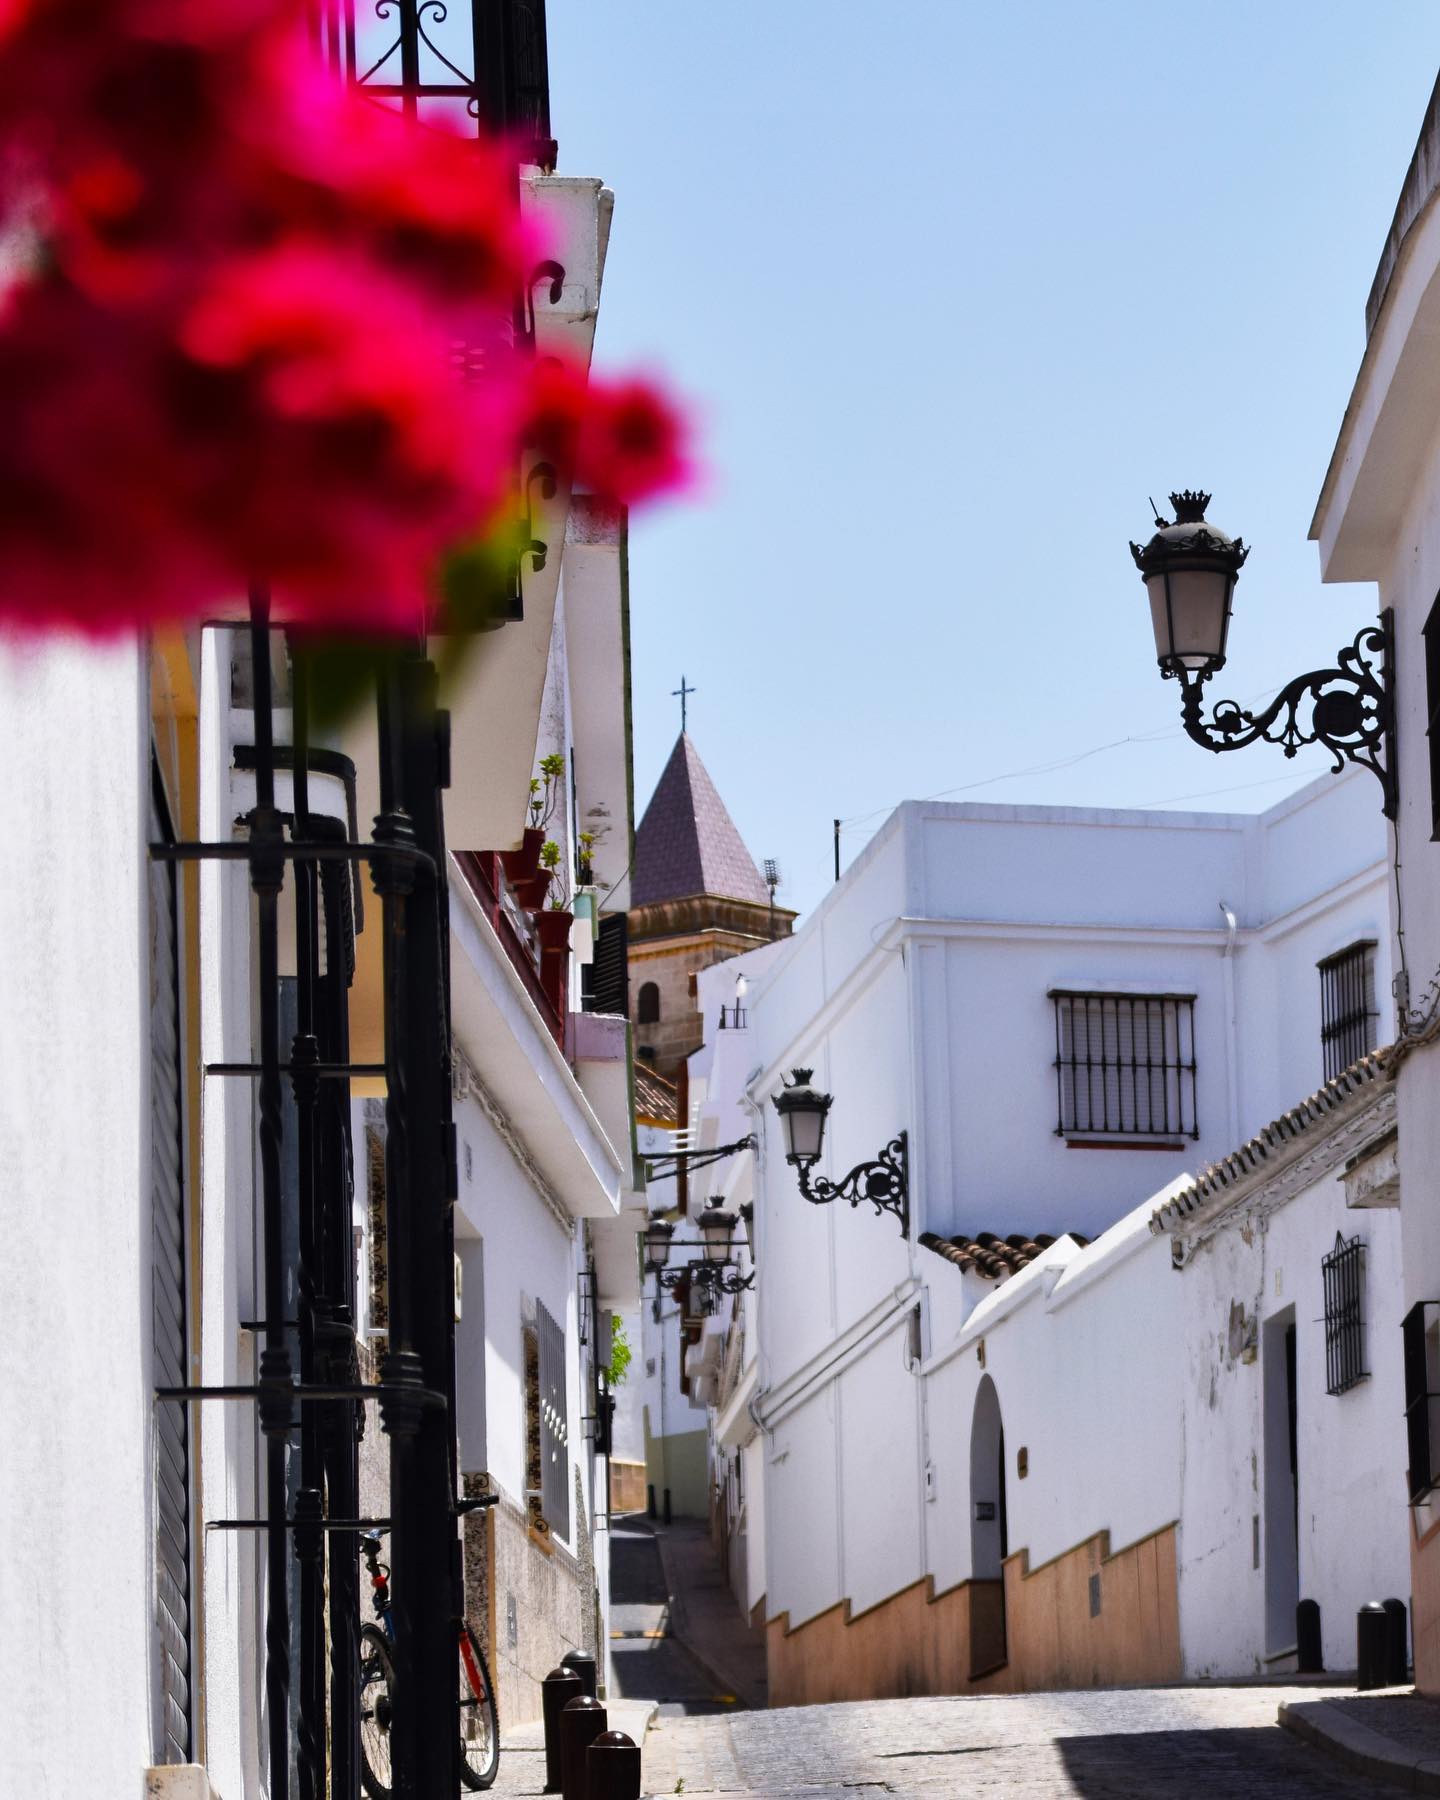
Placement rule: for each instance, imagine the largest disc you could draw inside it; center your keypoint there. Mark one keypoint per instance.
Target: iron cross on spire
(681, 694)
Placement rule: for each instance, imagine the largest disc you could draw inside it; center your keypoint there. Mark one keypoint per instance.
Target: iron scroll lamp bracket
(885, 1183)
(1189, 569)
(658, 1168)
(1349, 709)
(726, 1277)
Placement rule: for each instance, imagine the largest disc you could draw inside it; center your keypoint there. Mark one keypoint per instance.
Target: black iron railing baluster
(267, 875)
(304, 1059)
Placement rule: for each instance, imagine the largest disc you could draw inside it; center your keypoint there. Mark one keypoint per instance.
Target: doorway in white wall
(1282, 1494)
(989, 1533)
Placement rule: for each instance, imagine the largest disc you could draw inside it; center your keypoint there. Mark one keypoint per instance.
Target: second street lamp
(884, 1182)
(1190, 568)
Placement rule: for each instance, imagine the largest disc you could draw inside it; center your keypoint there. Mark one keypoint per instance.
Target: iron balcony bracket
(345, 1390)
(660, 1168)
(260, 850)
(297, 1525)
(323, 1070)
(1351, 710)
(885, 1183)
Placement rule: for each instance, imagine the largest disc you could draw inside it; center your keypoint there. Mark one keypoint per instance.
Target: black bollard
(558, 1688)
(1372, 1639)
(612, 1766)
(650, 1500)
(667, 1506)
(1310, 1657)
(582, 1663)
(581, 1722)
(1397, 1645)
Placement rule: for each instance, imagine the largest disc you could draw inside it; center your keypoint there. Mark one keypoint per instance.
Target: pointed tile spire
(687, 844)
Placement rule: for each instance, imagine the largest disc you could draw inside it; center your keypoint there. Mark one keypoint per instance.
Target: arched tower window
(648, 1005)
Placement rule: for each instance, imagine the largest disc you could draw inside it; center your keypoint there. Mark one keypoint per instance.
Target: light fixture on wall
(712, 1273)
(1190, 568)
(674, 1162)
(885, 1182)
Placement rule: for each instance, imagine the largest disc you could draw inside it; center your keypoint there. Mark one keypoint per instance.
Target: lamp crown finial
(1190, 506)
(799, 1078)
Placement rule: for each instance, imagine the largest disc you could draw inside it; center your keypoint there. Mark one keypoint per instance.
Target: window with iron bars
(1421, 1332)
(1125, 1065)
(1348, 1014)
(1343, 1273)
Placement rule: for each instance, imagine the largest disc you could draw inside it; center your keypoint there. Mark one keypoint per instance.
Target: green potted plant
(522, 866)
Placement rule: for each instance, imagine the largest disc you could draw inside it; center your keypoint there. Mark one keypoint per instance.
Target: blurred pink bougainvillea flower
(231, 297)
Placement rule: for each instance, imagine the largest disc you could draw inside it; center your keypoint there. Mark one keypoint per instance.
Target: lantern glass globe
(716, 1227)
(802, 1111)
(657, 1243)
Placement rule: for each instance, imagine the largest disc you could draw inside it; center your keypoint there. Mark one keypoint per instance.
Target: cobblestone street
(1166, 1744)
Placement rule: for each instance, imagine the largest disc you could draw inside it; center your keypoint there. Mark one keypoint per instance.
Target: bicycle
(479, 1717)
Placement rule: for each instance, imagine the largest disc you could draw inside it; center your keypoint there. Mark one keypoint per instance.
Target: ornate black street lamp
(885, 1182)
(710, 1274)
(1190, 569)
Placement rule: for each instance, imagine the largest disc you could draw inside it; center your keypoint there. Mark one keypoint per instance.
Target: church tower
(696, 898)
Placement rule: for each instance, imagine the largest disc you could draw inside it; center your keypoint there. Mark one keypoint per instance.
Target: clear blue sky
(954, 287)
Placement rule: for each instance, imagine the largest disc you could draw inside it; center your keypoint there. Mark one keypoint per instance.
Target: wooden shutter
(168, 1322)
(608, 988)
(554, 1425)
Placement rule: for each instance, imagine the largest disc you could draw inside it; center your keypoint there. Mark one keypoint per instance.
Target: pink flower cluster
(231, 296)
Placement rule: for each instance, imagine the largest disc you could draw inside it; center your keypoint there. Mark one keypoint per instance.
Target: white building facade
(146, 974)
(1067, 1013)
(1378, 522)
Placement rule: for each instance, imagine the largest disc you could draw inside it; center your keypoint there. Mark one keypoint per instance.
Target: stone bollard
(612, 1766)
(1397, 1645)
(1372, 1641)
(581, 1722)
(558, 1688)
(582, 1663)
(1309, 1658)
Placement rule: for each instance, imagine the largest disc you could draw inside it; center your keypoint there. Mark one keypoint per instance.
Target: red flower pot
(531, 891)
(523, 864)
(554, 930)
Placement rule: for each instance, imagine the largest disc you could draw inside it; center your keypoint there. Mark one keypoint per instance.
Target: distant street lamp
(1190, 569)
(658, 1235)
(710, 1274)
(883, 1182)
(715, 1228)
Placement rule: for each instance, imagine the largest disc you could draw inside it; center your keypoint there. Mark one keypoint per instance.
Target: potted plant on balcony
(523, 866)
(585, 859)
(553, 925)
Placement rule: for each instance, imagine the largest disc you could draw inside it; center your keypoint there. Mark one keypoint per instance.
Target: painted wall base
(1425, 1607)
(1090, 1618)
(181, 1781)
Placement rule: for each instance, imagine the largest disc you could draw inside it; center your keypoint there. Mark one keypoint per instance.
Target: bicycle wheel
(377, 1686)
(479, 1718)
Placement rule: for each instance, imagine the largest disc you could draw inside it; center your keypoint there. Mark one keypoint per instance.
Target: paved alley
(655, 1657)
(1157, 1744)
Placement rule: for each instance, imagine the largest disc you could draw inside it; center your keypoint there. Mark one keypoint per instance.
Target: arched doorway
(989, 1532)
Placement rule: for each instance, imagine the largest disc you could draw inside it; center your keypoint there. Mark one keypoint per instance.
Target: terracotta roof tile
(995, 1258)
(656, 1099)
(1273, 1141)
(687, 844)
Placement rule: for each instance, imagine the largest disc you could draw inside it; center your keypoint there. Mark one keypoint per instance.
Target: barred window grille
(1348, 1014)
(1125, 1065)
(554, 1425)
(1421, 1334)
(1343, 1271)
